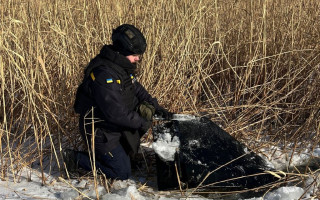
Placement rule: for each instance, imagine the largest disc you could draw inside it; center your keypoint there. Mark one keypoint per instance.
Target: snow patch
(125, 194)
(194, 144)
(166, 146)
(183, 117)
(316, 152)
(281, 160)
(285, 193)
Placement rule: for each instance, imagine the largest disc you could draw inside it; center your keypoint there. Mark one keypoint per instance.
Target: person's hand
(146, 110)
(164, 113)
(145, 127)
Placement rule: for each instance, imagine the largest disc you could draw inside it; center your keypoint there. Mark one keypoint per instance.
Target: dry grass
(253, 66)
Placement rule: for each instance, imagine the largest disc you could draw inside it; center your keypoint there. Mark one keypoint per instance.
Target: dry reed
(252, 66)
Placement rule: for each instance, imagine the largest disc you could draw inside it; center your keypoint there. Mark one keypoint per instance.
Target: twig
(62, 179)
(178, 177)
(144, 158)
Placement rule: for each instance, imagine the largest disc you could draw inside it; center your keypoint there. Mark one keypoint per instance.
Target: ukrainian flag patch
(109, 80)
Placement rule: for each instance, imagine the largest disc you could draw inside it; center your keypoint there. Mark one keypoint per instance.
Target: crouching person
(113, 106)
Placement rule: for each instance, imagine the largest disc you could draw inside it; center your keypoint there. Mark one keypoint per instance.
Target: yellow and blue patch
(109, 80)
(133, 78)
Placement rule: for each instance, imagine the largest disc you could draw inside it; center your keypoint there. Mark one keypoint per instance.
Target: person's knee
(123, 175)
(124, 170)
(117, 163)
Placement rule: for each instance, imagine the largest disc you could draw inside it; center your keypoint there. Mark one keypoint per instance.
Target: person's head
(129, 41)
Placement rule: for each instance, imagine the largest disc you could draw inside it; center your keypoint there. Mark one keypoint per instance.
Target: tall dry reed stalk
(252, 66)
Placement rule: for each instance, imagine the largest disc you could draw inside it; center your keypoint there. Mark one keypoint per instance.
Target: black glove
(145, 127)
(164, 113)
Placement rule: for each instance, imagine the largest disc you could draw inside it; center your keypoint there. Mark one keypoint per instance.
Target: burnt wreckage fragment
(205, 147)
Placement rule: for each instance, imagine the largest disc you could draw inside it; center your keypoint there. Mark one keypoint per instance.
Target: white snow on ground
(316, 152)
(165, 147)
(21, 188)
(56, 188)
(281, 160)
(283, 193)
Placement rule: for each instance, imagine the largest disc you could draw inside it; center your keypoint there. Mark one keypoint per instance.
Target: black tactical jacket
(111, 89)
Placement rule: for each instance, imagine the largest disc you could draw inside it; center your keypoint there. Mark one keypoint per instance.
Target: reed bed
(252, 66)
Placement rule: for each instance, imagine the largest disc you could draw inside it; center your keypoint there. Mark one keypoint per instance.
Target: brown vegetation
(252, 65)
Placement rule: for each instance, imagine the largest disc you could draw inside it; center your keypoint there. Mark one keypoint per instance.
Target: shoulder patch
(133, 78)
(109, 80)
(92, 76)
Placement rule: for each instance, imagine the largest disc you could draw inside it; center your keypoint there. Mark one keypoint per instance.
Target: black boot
(70, 159)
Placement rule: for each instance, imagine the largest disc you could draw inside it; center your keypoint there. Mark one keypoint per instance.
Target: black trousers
(111, 158)
(115, 165)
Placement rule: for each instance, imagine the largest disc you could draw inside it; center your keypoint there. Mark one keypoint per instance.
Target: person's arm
(143, 95)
